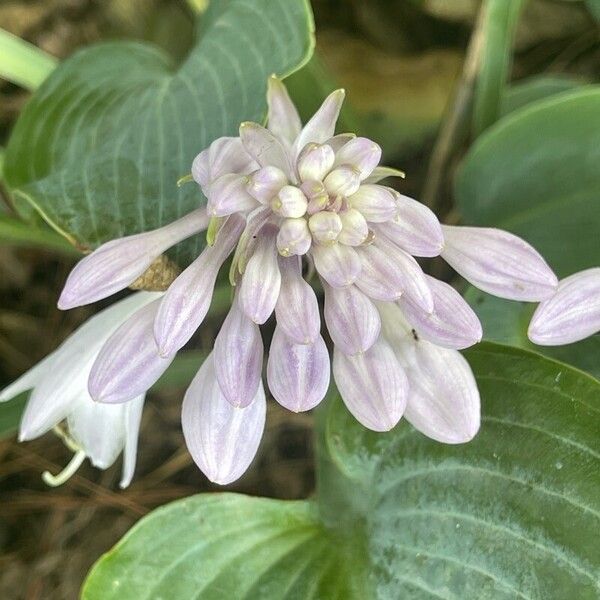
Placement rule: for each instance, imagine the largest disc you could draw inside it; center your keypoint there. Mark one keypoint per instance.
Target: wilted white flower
(97, 431)
(280, 198)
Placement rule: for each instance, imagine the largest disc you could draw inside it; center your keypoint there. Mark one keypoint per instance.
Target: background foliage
(492, 109)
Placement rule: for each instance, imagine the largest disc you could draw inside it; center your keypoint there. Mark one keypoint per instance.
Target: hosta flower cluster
(292, 206)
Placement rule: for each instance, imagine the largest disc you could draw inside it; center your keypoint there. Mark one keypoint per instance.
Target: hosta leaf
(100, 146)
(512, 514)
(535, 173)
(217, 546)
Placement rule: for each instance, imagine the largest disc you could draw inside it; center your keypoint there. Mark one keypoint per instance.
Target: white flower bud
(265, 183)
(293, 237)
(325, 226)
(315, 162)
(342, 181)
(317, 196)
(289, 202)
(354, 228)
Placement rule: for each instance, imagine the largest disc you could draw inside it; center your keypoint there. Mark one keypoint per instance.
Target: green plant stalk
(23, 63)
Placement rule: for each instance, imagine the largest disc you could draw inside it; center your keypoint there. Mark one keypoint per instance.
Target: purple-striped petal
(415, 229)
(297, 308)
(360, 153)
(283, 119)
(322, 124)
(338, 264)
(443, 401)
(224, 155)
(264, 184)
(572, 314)
(229, 194)
(355, 229)
(373, 385)
(222, 439)
(264, 147)
(452, 324)
(375, 202)
(352, 319)
(187, 300)
(315, 161)
(238, 356)
(118, 263)
(499, 263)
(388, 272)
(129, 363)
(297, 374)
(261, 280)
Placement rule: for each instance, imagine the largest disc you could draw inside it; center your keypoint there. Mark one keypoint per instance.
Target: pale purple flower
(97, 431)
(287, 200)
(571, 314)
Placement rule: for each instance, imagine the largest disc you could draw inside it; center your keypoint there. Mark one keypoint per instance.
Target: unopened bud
(325, 226)
(315, 162)
(293, 237)
(342, 181)
(265, 183)
(317, 196)
(354, 228)
(289, 202)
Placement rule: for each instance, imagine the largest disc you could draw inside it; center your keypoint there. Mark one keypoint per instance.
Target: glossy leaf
(536, 174)
(216, 546)
(512, 514)
(99, 148)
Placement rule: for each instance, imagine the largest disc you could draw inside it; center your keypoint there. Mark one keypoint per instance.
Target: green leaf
(594, 8)
(23, 63)
(99, 148)
(512, 514)
(536, 174)
(217, 546)
(10, 414)
(500, 22)
(536, 88)
(506, 322)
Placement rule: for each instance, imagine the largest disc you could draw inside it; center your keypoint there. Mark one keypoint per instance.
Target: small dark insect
(414, 333)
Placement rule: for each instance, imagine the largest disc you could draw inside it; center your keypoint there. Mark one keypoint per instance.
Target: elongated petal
(338, 141)
(129, 363)
(297, 308)
(224, 155)
(443, 401)
(499, 263)
(352, 319)
(361, 153)
(99, 429)
(572, 314)
(380, 173)
(187, 300)
(416, 229)
(118, 263)
(222, 439)
(229, 194)
(373, 386)
(63, 381)
(338, 264)
(322, 124)
(261, 281)
(238, 356)
(28, 380)
(133, 419)
(298, 374)
(283, 119)
(388, 272)
(264, 147)
(452, 324)
(376, 203)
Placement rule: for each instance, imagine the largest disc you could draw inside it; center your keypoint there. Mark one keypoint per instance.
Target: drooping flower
(280, 198)
(571, 314)
(94, 430)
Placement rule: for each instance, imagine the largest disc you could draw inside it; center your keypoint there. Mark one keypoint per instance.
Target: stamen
(66, 473)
